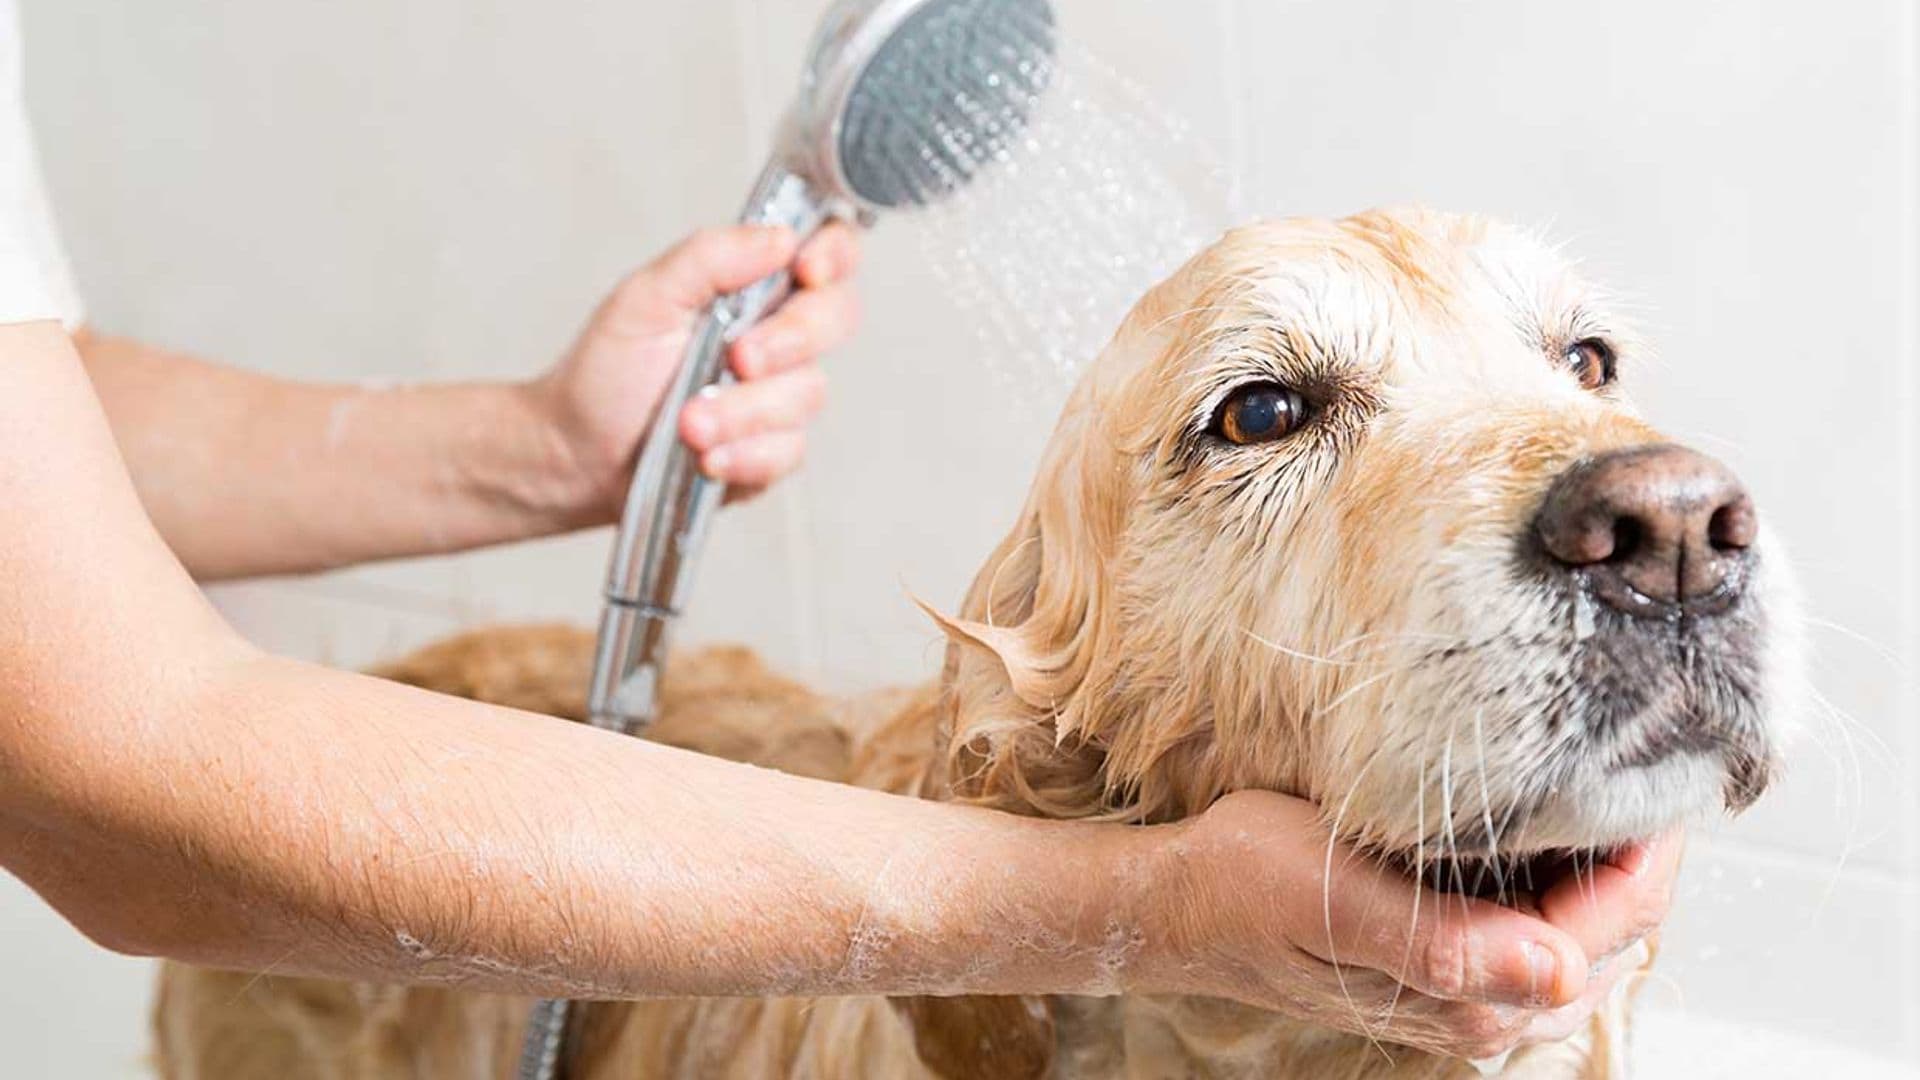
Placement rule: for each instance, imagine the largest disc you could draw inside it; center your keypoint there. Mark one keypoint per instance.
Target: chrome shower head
(905, 101)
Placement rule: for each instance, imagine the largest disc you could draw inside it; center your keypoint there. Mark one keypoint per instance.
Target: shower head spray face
(905, 101)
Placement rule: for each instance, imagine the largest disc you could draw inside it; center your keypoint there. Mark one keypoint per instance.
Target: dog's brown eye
(1591, 361)
(1259, 413)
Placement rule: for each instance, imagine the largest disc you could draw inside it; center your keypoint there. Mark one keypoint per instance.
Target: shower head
(904, 101)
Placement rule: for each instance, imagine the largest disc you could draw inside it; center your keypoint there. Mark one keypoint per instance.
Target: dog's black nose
(1657, 529)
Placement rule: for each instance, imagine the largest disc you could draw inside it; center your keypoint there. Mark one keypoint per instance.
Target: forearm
(247, 475)
(352, 828)
(174, 792)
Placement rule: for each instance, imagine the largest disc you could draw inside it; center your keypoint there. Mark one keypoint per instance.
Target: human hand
(1265, 908)
(602, 397)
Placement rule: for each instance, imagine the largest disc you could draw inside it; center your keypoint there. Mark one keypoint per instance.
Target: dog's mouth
(1513, 879)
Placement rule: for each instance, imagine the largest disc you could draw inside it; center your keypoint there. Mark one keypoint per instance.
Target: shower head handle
(901, 103)
(669, 501)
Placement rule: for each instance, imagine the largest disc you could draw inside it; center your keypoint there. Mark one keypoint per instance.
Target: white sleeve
(35, 282)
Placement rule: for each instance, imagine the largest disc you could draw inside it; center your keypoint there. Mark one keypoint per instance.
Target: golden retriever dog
(1353, 510)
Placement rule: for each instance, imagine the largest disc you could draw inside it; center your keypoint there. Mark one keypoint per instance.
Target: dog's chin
(1585, 823)
(1603, 807)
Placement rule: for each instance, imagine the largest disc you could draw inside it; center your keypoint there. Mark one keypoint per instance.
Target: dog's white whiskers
(1326, 911)
(1486, 808)
(1448, 836)
(1850, 797)
(1348, 693)
(1419, 878)
(1848, 727)
(1509, 884)
(1880, 650)
(1296, 653)
(1403, 635)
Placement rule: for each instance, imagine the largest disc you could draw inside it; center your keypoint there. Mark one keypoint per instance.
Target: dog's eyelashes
(1259, 413)
(1591, 361)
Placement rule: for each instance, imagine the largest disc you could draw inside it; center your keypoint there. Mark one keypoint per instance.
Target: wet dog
(1355, 510)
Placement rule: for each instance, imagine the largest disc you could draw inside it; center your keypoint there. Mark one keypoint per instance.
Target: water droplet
(1097, 198)
(1583, 616)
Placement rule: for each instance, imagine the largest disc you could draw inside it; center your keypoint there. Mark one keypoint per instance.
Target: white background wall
(442, 188)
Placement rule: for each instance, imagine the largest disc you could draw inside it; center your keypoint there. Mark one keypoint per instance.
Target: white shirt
(35, 282)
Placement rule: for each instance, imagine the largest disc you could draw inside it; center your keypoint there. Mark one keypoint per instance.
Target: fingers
(1610, 906)
(1556, 1024)
(1444, 946)
(1369, 1004)
(752, 434)
(830, 257)
(754, 463)
(719, 260)
(731, 414)
(814, 321)
(711, 262)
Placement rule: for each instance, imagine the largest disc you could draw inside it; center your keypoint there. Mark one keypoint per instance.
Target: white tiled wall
(441, 188)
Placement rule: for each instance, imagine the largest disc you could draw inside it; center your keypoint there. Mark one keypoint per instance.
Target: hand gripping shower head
(903, 102)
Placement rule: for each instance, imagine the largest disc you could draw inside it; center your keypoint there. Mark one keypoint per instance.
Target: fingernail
(1543, 974)
(719, 461)
(823, 267)
(748, 358)
(700, 425)
(1632, 858)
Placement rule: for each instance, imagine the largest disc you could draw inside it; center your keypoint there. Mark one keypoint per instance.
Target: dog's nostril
(1734, 526)
(1628, 535)
(1652, 528)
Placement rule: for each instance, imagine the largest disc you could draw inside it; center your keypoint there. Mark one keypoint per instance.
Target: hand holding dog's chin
(1253, 901)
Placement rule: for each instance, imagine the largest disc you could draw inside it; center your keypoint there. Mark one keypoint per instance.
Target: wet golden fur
(1167, 621)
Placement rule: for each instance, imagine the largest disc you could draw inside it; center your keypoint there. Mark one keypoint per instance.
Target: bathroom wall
(442, 189)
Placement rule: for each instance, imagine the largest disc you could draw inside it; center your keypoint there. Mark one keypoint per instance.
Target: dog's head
(1360, 511)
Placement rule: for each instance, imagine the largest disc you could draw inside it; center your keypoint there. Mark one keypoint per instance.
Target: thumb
(1442, 945)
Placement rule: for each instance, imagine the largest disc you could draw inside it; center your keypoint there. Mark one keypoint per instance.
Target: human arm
(246, 474)
(175, 792)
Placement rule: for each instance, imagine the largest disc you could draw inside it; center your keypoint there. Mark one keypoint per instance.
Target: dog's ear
(981, 1038)
(1030, 635)
(1039, 685)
